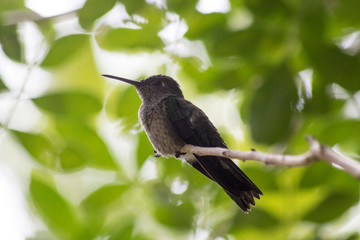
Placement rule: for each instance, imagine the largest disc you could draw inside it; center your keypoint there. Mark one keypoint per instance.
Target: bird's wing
(195, 128)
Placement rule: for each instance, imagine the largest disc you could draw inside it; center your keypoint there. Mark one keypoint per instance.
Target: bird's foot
(156, 154)
(178, 154)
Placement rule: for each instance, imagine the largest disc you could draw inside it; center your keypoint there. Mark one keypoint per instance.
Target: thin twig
(316, 152)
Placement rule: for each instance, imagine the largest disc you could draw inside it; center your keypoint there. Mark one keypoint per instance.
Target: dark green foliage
(273, 106)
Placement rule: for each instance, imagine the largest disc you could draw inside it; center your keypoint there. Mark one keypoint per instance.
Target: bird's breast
(162, 135)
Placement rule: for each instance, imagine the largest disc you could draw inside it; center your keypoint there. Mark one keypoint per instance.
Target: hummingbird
(170, 122)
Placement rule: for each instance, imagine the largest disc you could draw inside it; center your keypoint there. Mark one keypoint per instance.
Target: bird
(170, 122)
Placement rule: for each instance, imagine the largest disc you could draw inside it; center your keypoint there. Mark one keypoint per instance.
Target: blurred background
(75, 164)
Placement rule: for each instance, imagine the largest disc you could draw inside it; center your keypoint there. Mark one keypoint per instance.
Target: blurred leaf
(264, 178)
(345, 15)
(175, 215)
(92, 10)
(133, 6)
(317, 174)
(10, 42)
(125, 228)
(320, 102)
(224, 74)
(63, 49)
(345, 73)
(2, 85)
(342, 133)
(256, 218)
(144, 149)
(271, 108)
(39, 147)
(312, 23)
(69, 104)
(184, 8)
(124, 104)
(144, 39)
(100, 203)
(331, 208)
(208, 25)
(79, 73)
(86, 142)
(70, 159)
(56, 212)
(6, 5)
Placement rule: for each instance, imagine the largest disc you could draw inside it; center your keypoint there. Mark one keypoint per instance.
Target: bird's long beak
(132, 82)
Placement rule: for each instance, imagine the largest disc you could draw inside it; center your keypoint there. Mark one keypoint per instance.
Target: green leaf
(10, 42)
(175, 215)
(133, 6)
(7, 5)
(340, 132)
(335, 66)
(209, 25)
(144, 149)
(69, 104)
(2, 85)
(70, 159)
(145, 39)
(100, 204)
(256, 218)
(92, 10)
(101, 200)
(332, 207)
(87, 143)
(271, 107)
(124, 104)
(39, 147)
(63, 49)
(58, 214)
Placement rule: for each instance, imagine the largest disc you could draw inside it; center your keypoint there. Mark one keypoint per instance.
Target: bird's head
(153, 88)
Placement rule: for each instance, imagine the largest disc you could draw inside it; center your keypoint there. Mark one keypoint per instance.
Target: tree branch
(316, 152)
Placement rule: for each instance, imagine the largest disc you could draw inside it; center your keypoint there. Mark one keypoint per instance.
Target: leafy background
(267, 72)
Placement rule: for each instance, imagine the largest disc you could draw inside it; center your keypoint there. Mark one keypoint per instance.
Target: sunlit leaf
(39, 147)
(93, 10)
(87, 143)
(63, 49)
(58, 214)
(69, 104)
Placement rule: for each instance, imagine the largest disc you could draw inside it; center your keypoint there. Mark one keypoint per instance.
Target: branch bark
(316, 152)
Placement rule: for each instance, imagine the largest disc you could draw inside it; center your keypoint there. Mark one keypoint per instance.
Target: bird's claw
(156, 154)
(178, 154)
